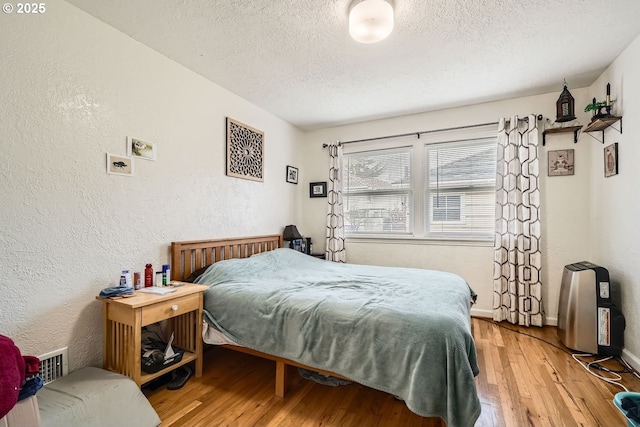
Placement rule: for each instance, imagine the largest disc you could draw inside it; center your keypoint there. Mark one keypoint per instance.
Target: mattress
(212, 335)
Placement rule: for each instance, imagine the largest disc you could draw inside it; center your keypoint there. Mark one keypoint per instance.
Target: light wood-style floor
(523, 382)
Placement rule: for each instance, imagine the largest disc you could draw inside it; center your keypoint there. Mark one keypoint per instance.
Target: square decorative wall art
(560, 162)
(245, 151)
(119, 165)
(611, 160)
(141, 149)
(318, 189)
(292, 175)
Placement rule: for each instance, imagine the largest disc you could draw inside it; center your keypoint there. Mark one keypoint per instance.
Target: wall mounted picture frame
(139, 149)
(119, 165)
(611, 160)
(560, 162)
(292, 174)
(318, 189)
(245, 151)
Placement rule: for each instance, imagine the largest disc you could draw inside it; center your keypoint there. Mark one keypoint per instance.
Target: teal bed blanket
(400, 330)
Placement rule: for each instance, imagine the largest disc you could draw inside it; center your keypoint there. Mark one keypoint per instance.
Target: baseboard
(631, 359)
(476, 312)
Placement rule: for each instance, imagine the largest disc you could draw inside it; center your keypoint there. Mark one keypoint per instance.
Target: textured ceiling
(295, 58)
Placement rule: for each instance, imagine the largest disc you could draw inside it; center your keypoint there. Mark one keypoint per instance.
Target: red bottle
(148, 276)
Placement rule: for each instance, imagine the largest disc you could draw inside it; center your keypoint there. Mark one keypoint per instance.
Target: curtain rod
(400, 135)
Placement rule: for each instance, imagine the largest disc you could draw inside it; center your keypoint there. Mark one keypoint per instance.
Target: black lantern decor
(565, 107)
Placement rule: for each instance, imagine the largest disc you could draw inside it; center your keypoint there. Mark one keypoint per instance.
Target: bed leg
(281, 378)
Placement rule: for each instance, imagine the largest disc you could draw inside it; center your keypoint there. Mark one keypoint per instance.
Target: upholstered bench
(97, 398)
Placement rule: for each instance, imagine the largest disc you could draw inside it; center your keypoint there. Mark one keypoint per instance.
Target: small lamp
(565, 106)
(370, 20)
(291, 233)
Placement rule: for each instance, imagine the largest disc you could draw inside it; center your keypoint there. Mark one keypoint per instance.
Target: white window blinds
(440, 185)
(460, 188)
(378, 192)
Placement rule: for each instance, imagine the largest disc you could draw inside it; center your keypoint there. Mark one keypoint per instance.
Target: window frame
(420, 233)
(384, 192)
(467, 190)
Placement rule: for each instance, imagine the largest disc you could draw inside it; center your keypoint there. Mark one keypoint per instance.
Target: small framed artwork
(611, 160)
(561, 162)
(119, 165)
(139, 149)
(318, 189)
(292, 174)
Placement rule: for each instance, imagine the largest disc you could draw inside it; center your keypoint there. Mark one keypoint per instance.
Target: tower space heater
(589, 316)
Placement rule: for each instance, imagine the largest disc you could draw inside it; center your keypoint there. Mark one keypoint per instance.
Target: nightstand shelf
(574, 129)
(186, 358)
(601, 124)
(125, 317)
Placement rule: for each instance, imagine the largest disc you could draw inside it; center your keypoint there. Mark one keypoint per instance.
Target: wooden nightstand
(125, 317)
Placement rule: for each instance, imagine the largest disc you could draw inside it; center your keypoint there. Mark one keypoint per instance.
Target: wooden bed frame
(187, 257)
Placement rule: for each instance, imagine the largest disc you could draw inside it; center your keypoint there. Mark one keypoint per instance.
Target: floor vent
(54, 365)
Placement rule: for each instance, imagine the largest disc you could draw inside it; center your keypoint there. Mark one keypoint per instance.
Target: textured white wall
(565, 200)
(615, 201)
(72, 89)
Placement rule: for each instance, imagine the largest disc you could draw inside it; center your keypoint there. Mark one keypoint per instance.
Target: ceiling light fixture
(370, 20)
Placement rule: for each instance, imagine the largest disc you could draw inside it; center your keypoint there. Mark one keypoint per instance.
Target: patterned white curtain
(335, 215)
(517, 261)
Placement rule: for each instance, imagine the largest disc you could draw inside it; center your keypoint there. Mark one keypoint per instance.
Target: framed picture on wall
(292, 174)
(611, 160)
(318, 189)
(561, 162)
(119, 165)
(141, 149)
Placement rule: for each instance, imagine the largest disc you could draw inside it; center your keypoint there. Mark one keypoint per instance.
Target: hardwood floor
(523, 382)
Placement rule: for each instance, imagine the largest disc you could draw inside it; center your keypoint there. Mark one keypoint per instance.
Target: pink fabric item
(12, 374)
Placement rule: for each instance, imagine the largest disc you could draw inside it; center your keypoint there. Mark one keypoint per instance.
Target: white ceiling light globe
(370, 20)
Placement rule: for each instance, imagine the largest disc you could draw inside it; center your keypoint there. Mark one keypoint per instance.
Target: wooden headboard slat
(198, 258)
(188, 256)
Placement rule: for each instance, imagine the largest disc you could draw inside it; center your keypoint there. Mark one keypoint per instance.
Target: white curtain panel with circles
(517, 288)
(335, 216)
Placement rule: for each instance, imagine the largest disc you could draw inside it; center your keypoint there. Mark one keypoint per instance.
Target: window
(460, 188)
(446, 207)
(377, 192)
(436, 186)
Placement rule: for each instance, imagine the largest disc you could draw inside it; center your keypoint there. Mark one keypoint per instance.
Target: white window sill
(411, 240)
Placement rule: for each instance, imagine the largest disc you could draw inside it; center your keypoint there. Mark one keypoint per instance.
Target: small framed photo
(611, 160)
(119, 165)
(560, 162)
(141, 149)
(292, 174)
(318, 189)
